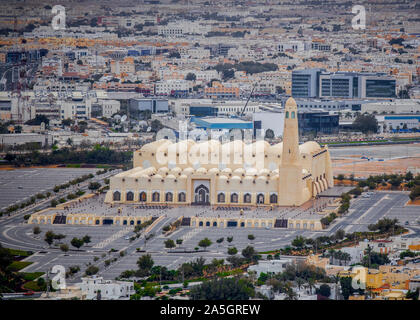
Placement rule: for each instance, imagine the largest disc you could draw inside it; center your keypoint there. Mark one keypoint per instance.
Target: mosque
(226, 174)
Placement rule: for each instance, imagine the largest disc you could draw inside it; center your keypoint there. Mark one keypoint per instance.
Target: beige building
(233, 173)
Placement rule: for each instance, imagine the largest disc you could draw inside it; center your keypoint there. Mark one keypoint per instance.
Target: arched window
(221, 198)
(260, 198)
(181, 197)
(130, 196)
(117, 196)
(143, 196)
(214, 224)
(287, 114)
(273, 198)
(200, 224)
(155, 196)
(293, 114)
(247, 198)
(208, 224)
(234, 198)
(168, 197)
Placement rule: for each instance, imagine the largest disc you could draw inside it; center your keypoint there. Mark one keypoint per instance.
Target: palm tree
(348, 115)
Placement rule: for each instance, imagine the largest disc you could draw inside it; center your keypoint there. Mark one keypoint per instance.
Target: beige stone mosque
(275, 184)
(226, 174)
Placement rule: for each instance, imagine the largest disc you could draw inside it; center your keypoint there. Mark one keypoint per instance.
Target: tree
(64, 247)
(346, 287)
(77, 243)
(179, 241)
(251, 237)
(204, 243)
(86, 239)
(169, 244)
(250, 254)
(298, 242)
(366, 123)
(145, 262)
(94, 185)
(324, 290)
(339, 235)
(223, 289)
(36, 230)
(414, 295)
(49, 237)
(69, 141)
(229, 239)
(415, 193)
(156, 125)
(232, 251)
(376, 259)
(220, 240)
(191, 77)
(269, 134)
(91, 270)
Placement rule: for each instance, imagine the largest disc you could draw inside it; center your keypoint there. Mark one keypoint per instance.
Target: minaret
(291, 154)
(291, 185)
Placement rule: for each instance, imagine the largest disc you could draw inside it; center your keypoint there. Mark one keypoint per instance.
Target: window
(273, 198)
(168, 197)
(117, 196)
(247, 198)
(221, 198)
(287, 114)
(293, 114)
(130, 196)
(181, 197)
(156, 197)
(143, 196)
(234, 198)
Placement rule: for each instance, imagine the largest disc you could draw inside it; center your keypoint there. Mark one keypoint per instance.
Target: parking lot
(363, 211)
(21, 184)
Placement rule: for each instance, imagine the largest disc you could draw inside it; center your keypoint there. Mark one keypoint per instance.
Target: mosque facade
(226, 174)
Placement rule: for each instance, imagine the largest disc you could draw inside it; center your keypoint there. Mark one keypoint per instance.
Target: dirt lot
(364, 168)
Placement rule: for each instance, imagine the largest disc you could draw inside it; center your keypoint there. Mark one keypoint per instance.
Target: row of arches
(169, 197)
(247, 198)
(304, 225)
(232, 223)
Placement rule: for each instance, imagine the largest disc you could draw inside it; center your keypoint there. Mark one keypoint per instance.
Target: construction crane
(252, 91)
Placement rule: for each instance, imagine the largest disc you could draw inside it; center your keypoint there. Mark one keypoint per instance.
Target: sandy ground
(365, 168)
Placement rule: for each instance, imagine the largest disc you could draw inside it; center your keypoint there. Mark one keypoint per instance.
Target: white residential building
(109, 289)
(168, 86)
(109, 107)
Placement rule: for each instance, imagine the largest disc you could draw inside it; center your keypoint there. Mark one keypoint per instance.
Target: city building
(107, 289)
(270, 266)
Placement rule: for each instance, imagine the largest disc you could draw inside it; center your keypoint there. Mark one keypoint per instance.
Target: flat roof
(222, 123)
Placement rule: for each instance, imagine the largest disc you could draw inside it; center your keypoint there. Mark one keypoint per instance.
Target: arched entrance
(201, 195)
